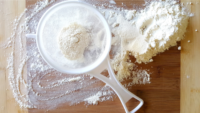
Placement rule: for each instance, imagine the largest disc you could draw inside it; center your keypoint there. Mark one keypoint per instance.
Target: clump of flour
(156, 28)
(73, 41)
(128, 70)
(147, 32)
(122, 64)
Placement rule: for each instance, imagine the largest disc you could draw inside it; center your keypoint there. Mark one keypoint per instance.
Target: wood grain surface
(170, 91)
(9, 9)
(190, 62)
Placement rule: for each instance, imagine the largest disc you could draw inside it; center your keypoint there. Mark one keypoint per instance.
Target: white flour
(161, 25)
(73, 41)
(112, 2)
(94, 99)
(179, 47)
(46, 88)
(128, 70)
(150, 31)
(144, 34)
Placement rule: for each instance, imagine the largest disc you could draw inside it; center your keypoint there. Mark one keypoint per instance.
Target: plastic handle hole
(132, 104)
(105, 73)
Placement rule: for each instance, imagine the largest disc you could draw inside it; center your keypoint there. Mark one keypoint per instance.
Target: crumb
(91, 77)
(179, 48)
(115, 25)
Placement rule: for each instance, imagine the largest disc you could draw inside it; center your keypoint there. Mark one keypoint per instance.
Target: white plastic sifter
(96, 61)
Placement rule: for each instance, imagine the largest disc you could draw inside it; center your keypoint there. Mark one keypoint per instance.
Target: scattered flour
(130, 14)
(112, 2)
(74, 79)
(34, 83)
(125, 68)
(142, 34)
(94, 99)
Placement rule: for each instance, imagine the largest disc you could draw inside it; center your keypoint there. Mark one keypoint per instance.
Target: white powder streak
(60, 82)
(112, 2)
(94, 99)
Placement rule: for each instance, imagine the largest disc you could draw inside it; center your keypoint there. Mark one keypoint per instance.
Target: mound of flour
(152, 30)
(145, 33)
(73, 40)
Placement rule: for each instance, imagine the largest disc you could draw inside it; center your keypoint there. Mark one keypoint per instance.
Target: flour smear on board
(37, 85)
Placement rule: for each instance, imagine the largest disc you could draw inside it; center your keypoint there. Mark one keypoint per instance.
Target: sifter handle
(123, 94)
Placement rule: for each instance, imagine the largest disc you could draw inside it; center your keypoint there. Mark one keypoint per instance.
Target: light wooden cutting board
(170, 89)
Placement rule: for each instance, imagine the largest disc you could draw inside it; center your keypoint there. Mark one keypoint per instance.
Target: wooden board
(190, 61)
(9, 9)
(165, 93)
